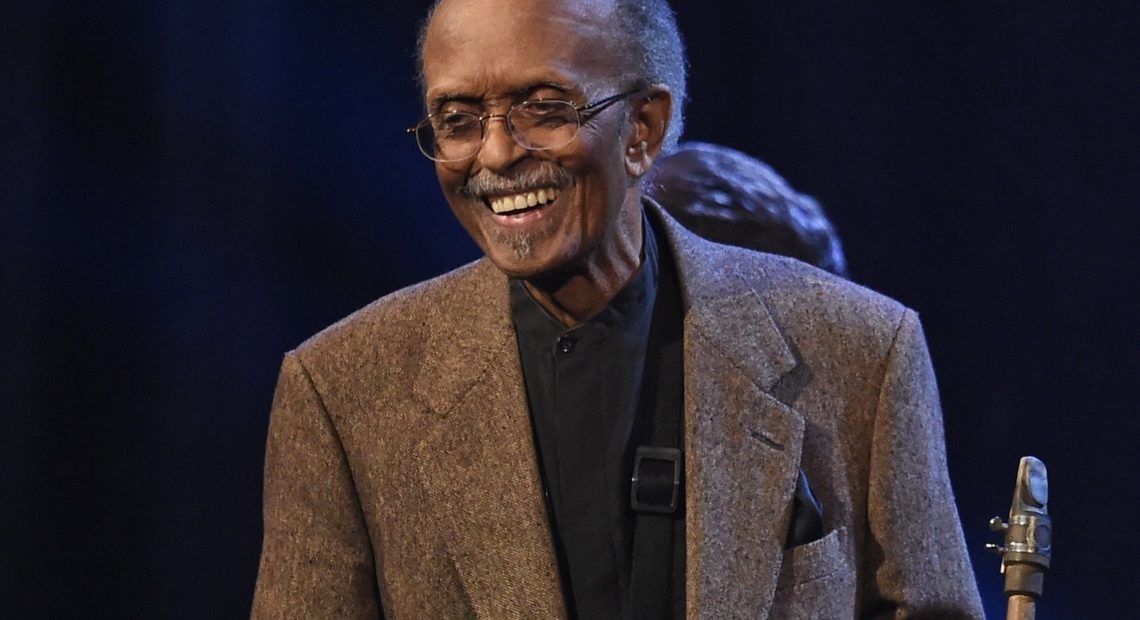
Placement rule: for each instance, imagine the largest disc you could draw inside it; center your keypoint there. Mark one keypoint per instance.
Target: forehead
(489, 48)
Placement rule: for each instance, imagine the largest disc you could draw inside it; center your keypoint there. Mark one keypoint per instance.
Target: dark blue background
(191, 189)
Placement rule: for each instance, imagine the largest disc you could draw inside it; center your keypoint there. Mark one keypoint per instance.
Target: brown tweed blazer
(401, 471)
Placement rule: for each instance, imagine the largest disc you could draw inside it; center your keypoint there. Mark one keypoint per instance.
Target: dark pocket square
(807, 515)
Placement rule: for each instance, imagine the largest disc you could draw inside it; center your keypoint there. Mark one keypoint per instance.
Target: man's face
(492, 54)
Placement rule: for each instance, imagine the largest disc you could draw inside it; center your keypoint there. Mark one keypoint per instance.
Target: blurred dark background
(191, 189)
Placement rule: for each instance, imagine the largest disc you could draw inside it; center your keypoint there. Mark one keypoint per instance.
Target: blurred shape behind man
(730, 197)
(607, 416)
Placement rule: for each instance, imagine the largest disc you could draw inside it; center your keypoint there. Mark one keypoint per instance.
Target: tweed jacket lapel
(478, 462)
(742, 444)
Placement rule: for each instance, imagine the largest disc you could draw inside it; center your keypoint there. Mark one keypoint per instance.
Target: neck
(578, 294)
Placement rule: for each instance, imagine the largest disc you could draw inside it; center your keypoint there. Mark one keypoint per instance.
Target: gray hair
(646, 34)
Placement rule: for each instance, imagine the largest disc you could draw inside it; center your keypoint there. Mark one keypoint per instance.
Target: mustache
(487, 183)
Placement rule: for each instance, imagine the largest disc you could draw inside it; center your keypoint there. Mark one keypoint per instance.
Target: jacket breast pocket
(817, 580)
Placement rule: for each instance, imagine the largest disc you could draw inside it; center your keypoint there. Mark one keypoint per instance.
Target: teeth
(507, 204)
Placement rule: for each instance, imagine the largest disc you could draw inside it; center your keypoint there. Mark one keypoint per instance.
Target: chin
(513, 267)
(536, 263)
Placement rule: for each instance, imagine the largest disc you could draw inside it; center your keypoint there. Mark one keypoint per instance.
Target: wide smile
(512, 204)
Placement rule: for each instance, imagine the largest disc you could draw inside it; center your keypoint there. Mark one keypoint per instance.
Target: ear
(649, 116)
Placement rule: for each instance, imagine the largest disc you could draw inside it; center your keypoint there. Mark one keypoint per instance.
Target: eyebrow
(438, 101)
(518, 94)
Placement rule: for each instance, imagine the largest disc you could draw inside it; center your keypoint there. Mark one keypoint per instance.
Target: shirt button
(566, 344)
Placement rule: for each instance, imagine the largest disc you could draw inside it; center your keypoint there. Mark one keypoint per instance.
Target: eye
(453, 118)
(455, 123)
(546, 113)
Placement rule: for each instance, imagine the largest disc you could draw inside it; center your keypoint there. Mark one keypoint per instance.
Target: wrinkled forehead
(474, 45)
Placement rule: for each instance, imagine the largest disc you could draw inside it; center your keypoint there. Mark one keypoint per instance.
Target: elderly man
(606, 417)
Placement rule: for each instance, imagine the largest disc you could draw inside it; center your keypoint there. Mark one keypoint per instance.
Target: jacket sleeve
(917, 557)
(316, 561)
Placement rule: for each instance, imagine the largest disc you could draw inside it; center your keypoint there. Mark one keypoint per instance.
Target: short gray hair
(646, 33)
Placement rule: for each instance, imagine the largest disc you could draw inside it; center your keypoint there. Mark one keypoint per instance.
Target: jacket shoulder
(827, 317)
(391, 324)
(807, 289)
(790, 288)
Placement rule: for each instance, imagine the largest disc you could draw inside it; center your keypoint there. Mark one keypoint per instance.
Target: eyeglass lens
(536, 125)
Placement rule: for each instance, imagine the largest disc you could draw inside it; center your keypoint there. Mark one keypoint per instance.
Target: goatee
(520, 244)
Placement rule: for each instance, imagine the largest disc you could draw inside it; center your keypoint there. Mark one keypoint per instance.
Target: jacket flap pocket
(814, 560)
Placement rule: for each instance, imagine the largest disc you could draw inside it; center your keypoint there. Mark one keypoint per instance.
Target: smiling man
(606, 417)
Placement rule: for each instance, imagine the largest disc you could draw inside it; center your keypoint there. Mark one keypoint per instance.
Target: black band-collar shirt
(583, 384)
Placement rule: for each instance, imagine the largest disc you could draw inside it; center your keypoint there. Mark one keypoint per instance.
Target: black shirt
(583, 385)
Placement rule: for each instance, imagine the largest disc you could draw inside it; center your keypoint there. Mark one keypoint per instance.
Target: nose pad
(500, 149)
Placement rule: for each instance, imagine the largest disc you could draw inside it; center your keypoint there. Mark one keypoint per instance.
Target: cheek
(453, 175)
(449, 179)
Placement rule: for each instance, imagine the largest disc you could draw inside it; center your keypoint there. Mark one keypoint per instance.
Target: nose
(499, 150)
